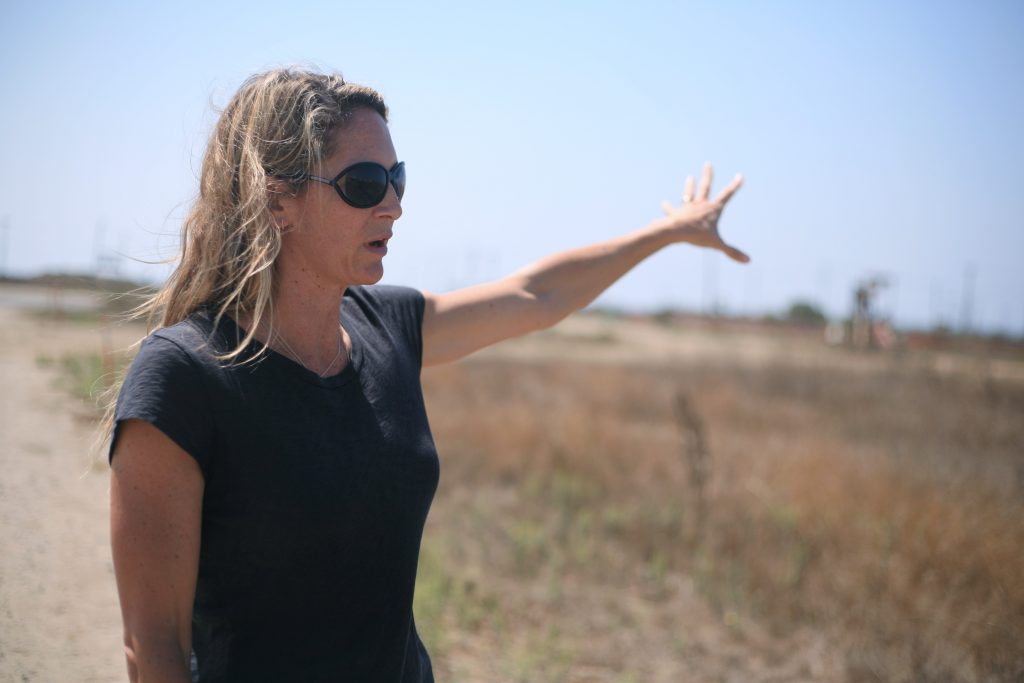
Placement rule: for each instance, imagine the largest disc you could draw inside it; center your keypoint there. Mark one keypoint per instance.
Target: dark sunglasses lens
(398, 178)
(364, 185)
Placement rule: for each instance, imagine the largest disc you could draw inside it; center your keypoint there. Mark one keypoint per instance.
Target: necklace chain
(297, 357)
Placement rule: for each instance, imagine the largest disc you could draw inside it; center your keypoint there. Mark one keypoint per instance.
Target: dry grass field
(845, 516)
(623, 501)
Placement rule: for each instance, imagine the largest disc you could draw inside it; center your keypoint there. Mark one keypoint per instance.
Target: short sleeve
(401, 310)
(164, 387)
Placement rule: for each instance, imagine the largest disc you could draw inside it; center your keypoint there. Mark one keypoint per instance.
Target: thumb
(735, 254)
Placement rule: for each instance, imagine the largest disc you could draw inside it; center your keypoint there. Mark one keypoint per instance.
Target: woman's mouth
(379, 247)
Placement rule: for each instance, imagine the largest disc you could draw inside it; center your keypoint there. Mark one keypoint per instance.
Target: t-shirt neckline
(292, 367)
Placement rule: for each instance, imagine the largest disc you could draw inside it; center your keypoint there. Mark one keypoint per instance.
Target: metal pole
(5, 228)
(967, 303)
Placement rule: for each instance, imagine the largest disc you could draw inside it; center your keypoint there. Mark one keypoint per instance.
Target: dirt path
(59, 616)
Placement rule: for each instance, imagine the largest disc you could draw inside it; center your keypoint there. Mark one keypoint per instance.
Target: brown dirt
(59, 615)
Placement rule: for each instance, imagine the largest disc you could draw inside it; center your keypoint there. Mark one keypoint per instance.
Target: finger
(667, 207)
(730, 190)
(688, 190)
(735, 254)
(705, 182)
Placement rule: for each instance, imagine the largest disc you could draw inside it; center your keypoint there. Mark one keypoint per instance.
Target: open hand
(696, 219)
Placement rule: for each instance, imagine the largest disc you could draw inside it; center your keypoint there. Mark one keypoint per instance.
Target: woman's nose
(391, 205)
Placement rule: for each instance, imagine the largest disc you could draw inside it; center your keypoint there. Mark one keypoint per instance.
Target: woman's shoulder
(193, 344)
(187, 332)
(198, 335)
(384, 306)
(384, 295)
(386, 317)
(167, 384)
(176, 360)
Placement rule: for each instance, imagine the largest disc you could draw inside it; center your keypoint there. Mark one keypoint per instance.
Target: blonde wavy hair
(273, 132)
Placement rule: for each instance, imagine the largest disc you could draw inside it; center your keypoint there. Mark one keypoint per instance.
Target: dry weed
(884, 509)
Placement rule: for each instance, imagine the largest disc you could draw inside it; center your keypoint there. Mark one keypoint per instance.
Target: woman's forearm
(569, 280)
(458, 323)
(157, 660)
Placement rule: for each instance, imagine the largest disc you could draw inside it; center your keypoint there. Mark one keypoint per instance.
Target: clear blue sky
(875, 137)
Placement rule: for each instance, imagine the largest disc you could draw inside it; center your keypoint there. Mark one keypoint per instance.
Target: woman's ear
(280, 194)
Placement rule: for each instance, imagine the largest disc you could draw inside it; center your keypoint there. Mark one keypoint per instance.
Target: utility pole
(967, 302)
(710, 284)
(935, 305)
(823, 284)
(894, 300)
(5, 229)
(750, 285)
(98, 234)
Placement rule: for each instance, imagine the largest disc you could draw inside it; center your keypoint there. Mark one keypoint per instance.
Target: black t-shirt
(316, 493)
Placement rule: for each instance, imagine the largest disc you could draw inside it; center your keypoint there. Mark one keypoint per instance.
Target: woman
(272, 466)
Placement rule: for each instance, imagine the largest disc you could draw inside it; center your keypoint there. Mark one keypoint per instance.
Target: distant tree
(805, 313)
(665, 316)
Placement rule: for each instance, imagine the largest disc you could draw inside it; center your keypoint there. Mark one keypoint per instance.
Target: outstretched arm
(538, 296)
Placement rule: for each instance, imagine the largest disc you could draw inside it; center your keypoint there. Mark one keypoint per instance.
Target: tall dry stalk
(697, 457)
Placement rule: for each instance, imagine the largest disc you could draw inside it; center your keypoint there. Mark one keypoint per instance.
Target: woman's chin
(370, 276)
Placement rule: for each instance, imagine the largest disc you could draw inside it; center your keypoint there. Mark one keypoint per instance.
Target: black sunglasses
(365, 184)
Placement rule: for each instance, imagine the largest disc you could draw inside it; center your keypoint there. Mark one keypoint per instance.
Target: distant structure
(866, 331)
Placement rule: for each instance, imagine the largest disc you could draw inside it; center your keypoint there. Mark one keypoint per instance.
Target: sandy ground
(59, 615)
